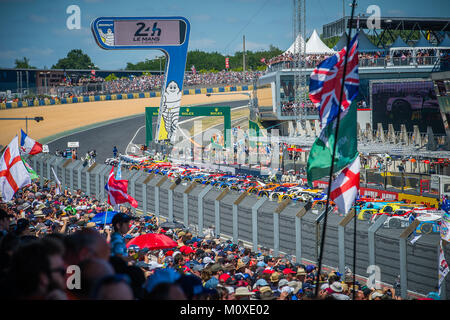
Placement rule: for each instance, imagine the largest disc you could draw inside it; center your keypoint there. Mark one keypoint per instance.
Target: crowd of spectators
(145, 83)
(366, 59)
(293, 108)
(133, 84)
(45, 237)
(221, 78)
(288, 59)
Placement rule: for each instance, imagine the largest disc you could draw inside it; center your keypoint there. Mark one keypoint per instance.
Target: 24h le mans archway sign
(168, 34)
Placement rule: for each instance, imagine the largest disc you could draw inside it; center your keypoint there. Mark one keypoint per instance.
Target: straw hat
(243, 291)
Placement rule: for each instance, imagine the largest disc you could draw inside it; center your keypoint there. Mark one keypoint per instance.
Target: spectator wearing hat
(259, 284)
(242, 293)
(288, 274)
(121, 226)
(336, 291)
(376, 295)
(301, 274)
(216, 272)
(266, 293)
(281, 284)
(274, 278)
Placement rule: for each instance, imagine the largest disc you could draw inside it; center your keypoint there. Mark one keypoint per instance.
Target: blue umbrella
(101, 216)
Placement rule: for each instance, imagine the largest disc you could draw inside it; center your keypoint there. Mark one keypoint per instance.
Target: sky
(37, 29)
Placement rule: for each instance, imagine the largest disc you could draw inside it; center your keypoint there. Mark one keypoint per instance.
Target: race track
(103, 138)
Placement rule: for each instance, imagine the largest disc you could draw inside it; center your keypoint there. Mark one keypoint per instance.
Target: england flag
(345, 187)
(13, 174)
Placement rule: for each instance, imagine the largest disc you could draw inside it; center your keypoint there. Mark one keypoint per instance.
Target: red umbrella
(153, 241)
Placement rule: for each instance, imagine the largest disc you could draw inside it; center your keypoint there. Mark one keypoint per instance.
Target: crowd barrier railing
(365, 63)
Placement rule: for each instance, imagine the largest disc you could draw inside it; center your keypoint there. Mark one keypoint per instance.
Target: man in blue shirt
(121, 225)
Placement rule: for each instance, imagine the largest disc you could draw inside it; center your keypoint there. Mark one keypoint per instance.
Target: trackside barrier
(200, 207)
(341, 235)
(186, 201)
(255, 208)
(371, 237)
(45, 102)
(403, 257)
(235, 216)
(287, 227)
(217, 210)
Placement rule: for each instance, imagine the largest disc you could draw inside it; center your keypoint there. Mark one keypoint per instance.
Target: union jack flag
(326, 81)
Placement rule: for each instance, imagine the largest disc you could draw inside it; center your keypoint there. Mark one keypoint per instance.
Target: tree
(213, 61)
(75, 59)
(23, 63)
(111, 77)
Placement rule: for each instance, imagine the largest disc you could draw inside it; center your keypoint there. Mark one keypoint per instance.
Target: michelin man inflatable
(171, 109)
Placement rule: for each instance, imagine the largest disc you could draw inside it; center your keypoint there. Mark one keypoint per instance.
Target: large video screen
(406, 102)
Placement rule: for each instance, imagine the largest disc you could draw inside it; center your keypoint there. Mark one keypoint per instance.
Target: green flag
(319, 160)
(33, 174)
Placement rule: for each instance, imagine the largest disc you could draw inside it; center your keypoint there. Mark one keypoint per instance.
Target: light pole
(37, 119)
(45, 80)
(233, 93)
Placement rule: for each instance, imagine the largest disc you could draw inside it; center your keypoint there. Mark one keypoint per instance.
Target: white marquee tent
(313, 46)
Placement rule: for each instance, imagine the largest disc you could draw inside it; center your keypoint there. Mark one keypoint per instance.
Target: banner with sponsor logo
(168, 34)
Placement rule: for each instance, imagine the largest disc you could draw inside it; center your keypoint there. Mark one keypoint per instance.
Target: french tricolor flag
(28, 145)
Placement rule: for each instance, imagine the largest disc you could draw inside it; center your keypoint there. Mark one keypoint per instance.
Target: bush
(111, 77)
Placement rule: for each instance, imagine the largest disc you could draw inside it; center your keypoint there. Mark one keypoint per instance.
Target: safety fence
(107, 97)
(286, 227)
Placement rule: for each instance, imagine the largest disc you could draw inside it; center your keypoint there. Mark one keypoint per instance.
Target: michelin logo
(171, 108)
(108, 37)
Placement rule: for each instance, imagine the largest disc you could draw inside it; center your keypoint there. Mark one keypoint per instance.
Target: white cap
(207, 260)
(154, 265)
(230, 290)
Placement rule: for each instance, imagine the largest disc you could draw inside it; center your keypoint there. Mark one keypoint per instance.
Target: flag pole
(354, 248)
(324, 227)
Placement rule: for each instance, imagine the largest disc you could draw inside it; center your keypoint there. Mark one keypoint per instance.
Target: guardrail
(107, 97)
(286, 227)
(365, 63)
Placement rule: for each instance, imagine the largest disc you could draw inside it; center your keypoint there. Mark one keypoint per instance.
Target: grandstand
(381, 58)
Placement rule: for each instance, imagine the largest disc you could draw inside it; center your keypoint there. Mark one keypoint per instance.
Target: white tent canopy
(313, 46)
(316, 46)
(298, 42)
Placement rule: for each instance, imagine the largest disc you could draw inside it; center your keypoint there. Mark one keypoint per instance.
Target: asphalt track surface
(102, 139)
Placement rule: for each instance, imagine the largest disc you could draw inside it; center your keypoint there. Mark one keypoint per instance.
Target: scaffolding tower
(300, 80)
